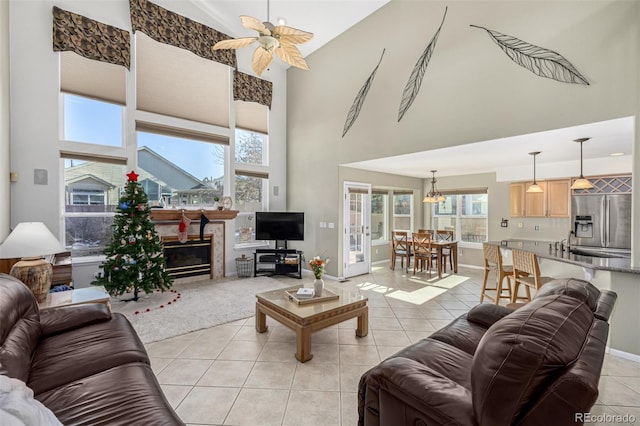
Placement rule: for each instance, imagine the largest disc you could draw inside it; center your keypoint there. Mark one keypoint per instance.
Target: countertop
(542, 250)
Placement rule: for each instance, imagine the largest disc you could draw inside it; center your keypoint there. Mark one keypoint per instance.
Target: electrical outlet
(520, 225)
(537, 228)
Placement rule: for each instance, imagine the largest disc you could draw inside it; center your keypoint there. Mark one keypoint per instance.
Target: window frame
(384, 239)
(458, 216)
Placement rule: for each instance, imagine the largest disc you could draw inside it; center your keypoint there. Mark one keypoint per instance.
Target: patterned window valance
(171, 28)
(252, 89)
(90, 39)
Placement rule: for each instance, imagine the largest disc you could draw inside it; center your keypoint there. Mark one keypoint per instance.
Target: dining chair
(400, 247)
(422, 251)
(526, 272)
(428, 231)
(445, 235)
(493, 262)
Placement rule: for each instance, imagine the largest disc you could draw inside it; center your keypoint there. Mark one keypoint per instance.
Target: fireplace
(188, 259)
(189, 263)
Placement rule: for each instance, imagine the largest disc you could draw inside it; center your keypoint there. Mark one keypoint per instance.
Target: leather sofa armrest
(68, 317)
(606, 301)
(435, 398)
(487, 314)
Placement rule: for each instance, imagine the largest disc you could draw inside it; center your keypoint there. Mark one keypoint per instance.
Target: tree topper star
(133, 176)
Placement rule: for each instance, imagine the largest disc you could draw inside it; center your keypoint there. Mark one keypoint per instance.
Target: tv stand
(267, 262)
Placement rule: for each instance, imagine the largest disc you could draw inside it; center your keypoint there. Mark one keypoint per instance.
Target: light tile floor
(232, 375)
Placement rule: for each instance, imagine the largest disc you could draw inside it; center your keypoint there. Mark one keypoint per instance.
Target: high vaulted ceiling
(507, 157)
(326, 19)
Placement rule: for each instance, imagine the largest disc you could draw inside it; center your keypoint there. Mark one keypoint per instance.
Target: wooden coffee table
(309, 318)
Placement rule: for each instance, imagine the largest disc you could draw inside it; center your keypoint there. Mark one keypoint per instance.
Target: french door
(357, 233)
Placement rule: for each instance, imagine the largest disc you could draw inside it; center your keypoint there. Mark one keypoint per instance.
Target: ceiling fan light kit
(280, 40)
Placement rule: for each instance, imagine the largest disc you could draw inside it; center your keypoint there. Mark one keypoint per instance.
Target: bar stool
(493, 262)
(526, 271)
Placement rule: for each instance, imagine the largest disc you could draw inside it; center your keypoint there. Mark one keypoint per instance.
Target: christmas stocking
(203, 222)
(183, 227)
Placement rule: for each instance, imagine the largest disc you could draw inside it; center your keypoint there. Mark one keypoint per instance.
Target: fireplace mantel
(158, 215)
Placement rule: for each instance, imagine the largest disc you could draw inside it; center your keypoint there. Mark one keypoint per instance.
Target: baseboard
(624, 355)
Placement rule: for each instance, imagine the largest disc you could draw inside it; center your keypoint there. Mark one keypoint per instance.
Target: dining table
(440, 246)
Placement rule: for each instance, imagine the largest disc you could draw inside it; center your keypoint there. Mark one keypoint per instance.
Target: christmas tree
(135, 261)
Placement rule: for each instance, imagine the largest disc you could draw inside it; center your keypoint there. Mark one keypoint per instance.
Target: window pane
(92, 186)
(87, 236)
(92, 121)
(474, 230)
(379, 216)
(180, 172)
(447, 207)
(474, 205)
(250, 147)
(402, 204)
(92, 192)
(249, 199)
(402, 212)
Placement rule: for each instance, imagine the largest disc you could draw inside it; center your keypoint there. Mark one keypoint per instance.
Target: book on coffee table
(326, 296)
(304, 293)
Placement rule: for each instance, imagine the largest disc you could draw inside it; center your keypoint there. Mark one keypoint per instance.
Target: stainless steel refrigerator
(602, 220)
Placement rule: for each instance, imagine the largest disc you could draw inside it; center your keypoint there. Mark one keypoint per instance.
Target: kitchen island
(546, 250)
(610, 273)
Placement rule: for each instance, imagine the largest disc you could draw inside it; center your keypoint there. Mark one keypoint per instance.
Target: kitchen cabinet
(552, 202)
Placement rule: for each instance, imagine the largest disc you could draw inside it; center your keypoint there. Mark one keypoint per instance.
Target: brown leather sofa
(84, 363)
(537, 365)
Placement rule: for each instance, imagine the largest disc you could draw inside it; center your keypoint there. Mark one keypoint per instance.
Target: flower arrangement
(317, 266)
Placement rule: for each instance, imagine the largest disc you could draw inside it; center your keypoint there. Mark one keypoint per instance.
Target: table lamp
(30, 241)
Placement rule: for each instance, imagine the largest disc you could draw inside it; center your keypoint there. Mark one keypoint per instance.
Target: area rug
(194, 306)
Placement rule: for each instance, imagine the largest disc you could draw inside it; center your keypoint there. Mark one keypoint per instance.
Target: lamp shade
(30, 239)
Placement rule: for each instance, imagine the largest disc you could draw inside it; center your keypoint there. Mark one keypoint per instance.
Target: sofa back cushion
(576, 288)
(19, 327)
(522, 353)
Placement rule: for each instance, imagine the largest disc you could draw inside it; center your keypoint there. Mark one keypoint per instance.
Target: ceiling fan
(279, 39)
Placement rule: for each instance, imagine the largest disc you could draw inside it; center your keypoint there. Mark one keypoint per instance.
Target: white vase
(318, 285)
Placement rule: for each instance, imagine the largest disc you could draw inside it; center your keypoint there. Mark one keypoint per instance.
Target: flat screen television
(283, 226)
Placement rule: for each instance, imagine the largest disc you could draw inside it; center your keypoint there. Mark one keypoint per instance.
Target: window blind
(93, 79)
(176, 82)
(180, 132)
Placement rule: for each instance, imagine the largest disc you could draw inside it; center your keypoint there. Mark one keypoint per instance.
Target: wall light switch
(323, 224)
(13, 176)
(331, 225)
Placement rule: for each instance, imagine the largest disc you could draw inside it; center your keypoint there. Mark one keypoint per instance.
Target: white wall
(5, 133)
(471, 91)
(35, 106)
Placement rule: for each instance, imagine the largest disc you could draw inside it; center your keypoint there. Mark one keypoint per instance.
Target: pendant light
(434, 196)
(534, 186)
(581, 182)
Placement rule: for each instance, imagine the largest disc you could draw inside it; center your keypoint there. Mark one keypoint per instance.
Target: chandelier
(434, 196)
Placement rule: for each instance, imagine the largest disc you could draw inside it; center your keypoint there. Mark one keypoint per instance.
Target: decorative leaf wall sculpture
(540, 61)
(359, 100)
(415, 79)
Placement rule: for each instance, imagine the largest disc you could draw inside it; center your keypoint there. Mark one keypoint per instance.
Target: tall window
(251, 182)
(379, 216)
(92, 191)
(402, 211)
(177, 171)
(465, 214)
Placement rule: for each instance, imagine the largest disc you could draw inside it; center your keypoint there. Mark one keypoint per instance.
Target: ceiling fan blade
(252, 23)
(291, 55)
(261, 60)
(291, 35)
(236, 43)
